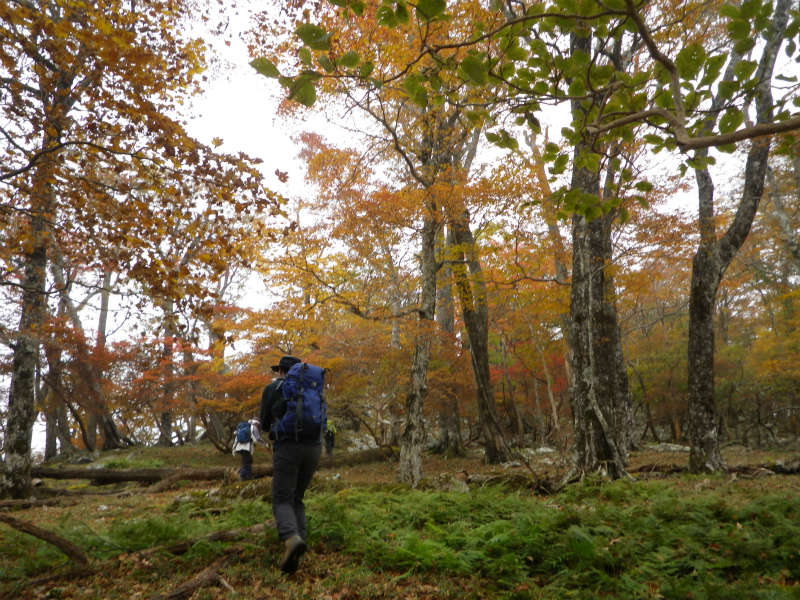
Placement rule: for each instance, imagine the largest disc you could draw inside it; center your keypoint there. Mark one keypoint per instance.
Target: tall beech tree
(564, 51)
(91, 95)
(435, 143)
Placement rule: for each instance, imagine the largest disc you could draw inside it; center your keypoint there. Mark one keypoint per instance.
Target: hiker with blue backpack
(247, 432)
(293, 410)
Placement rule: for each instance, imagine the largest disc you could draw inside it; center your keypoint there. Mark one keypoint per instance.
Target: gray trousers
(293, 466)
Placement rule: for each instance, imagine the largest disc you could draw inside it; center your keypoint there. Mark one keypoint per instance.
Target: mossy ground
(679, 536)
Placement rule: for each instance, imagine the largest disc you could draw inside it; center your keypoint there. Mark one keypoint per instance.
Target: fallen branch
(85, 570)
(67, 547)
(152, 476)
(207, 576)
(32, 502)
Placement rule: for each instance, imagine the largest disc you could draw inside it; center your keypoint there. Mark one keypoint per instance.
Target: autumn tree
(90, 107)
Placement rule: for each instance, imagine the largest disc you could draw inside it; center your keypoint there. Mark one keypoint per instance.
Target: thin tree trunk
(472, 294)
(98, 415)
(413, 436)
(168, 388)
(548, 378)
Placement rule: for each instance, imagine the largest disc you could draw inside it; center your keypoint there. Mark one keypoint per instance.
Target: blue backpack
(243, 433)
(305, 419)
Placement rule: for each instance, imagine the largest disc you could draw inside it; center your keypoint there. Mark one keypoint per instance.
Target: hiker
(296, 450)
(330, 436)
(247, 432)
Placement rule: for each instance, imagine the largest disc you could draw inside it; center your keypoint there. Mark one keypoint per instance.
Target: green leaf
(644, 186)
(653, 139)
(743, 69)
(744, 46)
(503, 140)
(357, 6)
(550, 151)
(348, 60)
(750, 9)
(730, 11)
(326, 63)
(540, 88)
(474, 69)
(386, 16)
(265, 67)
(730, 120)
(366, 69)
(507, 70)
(304, 92)
(576, 88)
(689, 61)
(305, 56)
(517, 53)
(415, 90)
(713, 67)
(590, 161)
(430, 9)
(314, 36)
(560, 164)
(739, 29)
(401, 13)
(727, 89)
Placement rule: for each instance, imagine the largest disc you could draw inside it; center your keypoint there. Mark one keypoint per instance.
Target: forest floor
(472, 531)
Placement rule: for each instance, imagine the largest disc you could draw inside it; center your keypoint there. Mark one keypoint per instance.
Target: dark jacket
(272, 405)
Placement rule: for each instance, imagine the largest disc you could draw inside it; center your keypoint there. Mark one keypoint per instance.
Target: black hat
(285, 363)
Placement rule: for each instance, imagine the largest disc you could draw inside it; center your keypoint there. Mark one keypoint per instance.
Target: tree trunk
(549, 382)
(168, 387)
(51, 430)
(98, 415)
(413, 436)
(595, 398)
(599, 395)
(472, 294)
(713, 257)
(708, 267)
(449, 443)
(16, 480)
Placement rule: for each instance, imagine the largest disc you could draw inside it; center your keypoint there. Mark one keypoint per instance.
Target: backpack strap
(298, 425)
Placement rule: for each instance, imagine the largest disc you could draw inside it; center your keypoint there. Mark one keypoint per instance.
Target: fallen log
(208, 576)
(63, 544)
(101, 476)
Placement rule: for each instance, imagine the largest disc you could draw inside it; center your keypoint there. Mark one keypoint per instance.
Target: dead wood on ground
(208, 576)
(71, 550)
(103, 476)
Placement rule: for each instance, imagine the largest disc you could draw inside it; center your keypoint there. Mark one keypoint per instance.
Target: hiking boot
(295, 548)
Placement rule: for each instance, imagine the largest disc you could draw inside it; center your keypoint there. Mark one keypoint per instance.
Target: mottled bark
(449, 442)
(601, 409)
(413, 436)
(595, 395)
(713, 257)
(16, 480)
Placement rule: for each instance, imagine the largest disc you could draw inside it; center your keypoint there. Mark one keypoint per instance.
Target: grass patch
(682, 537)
(619, 540)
